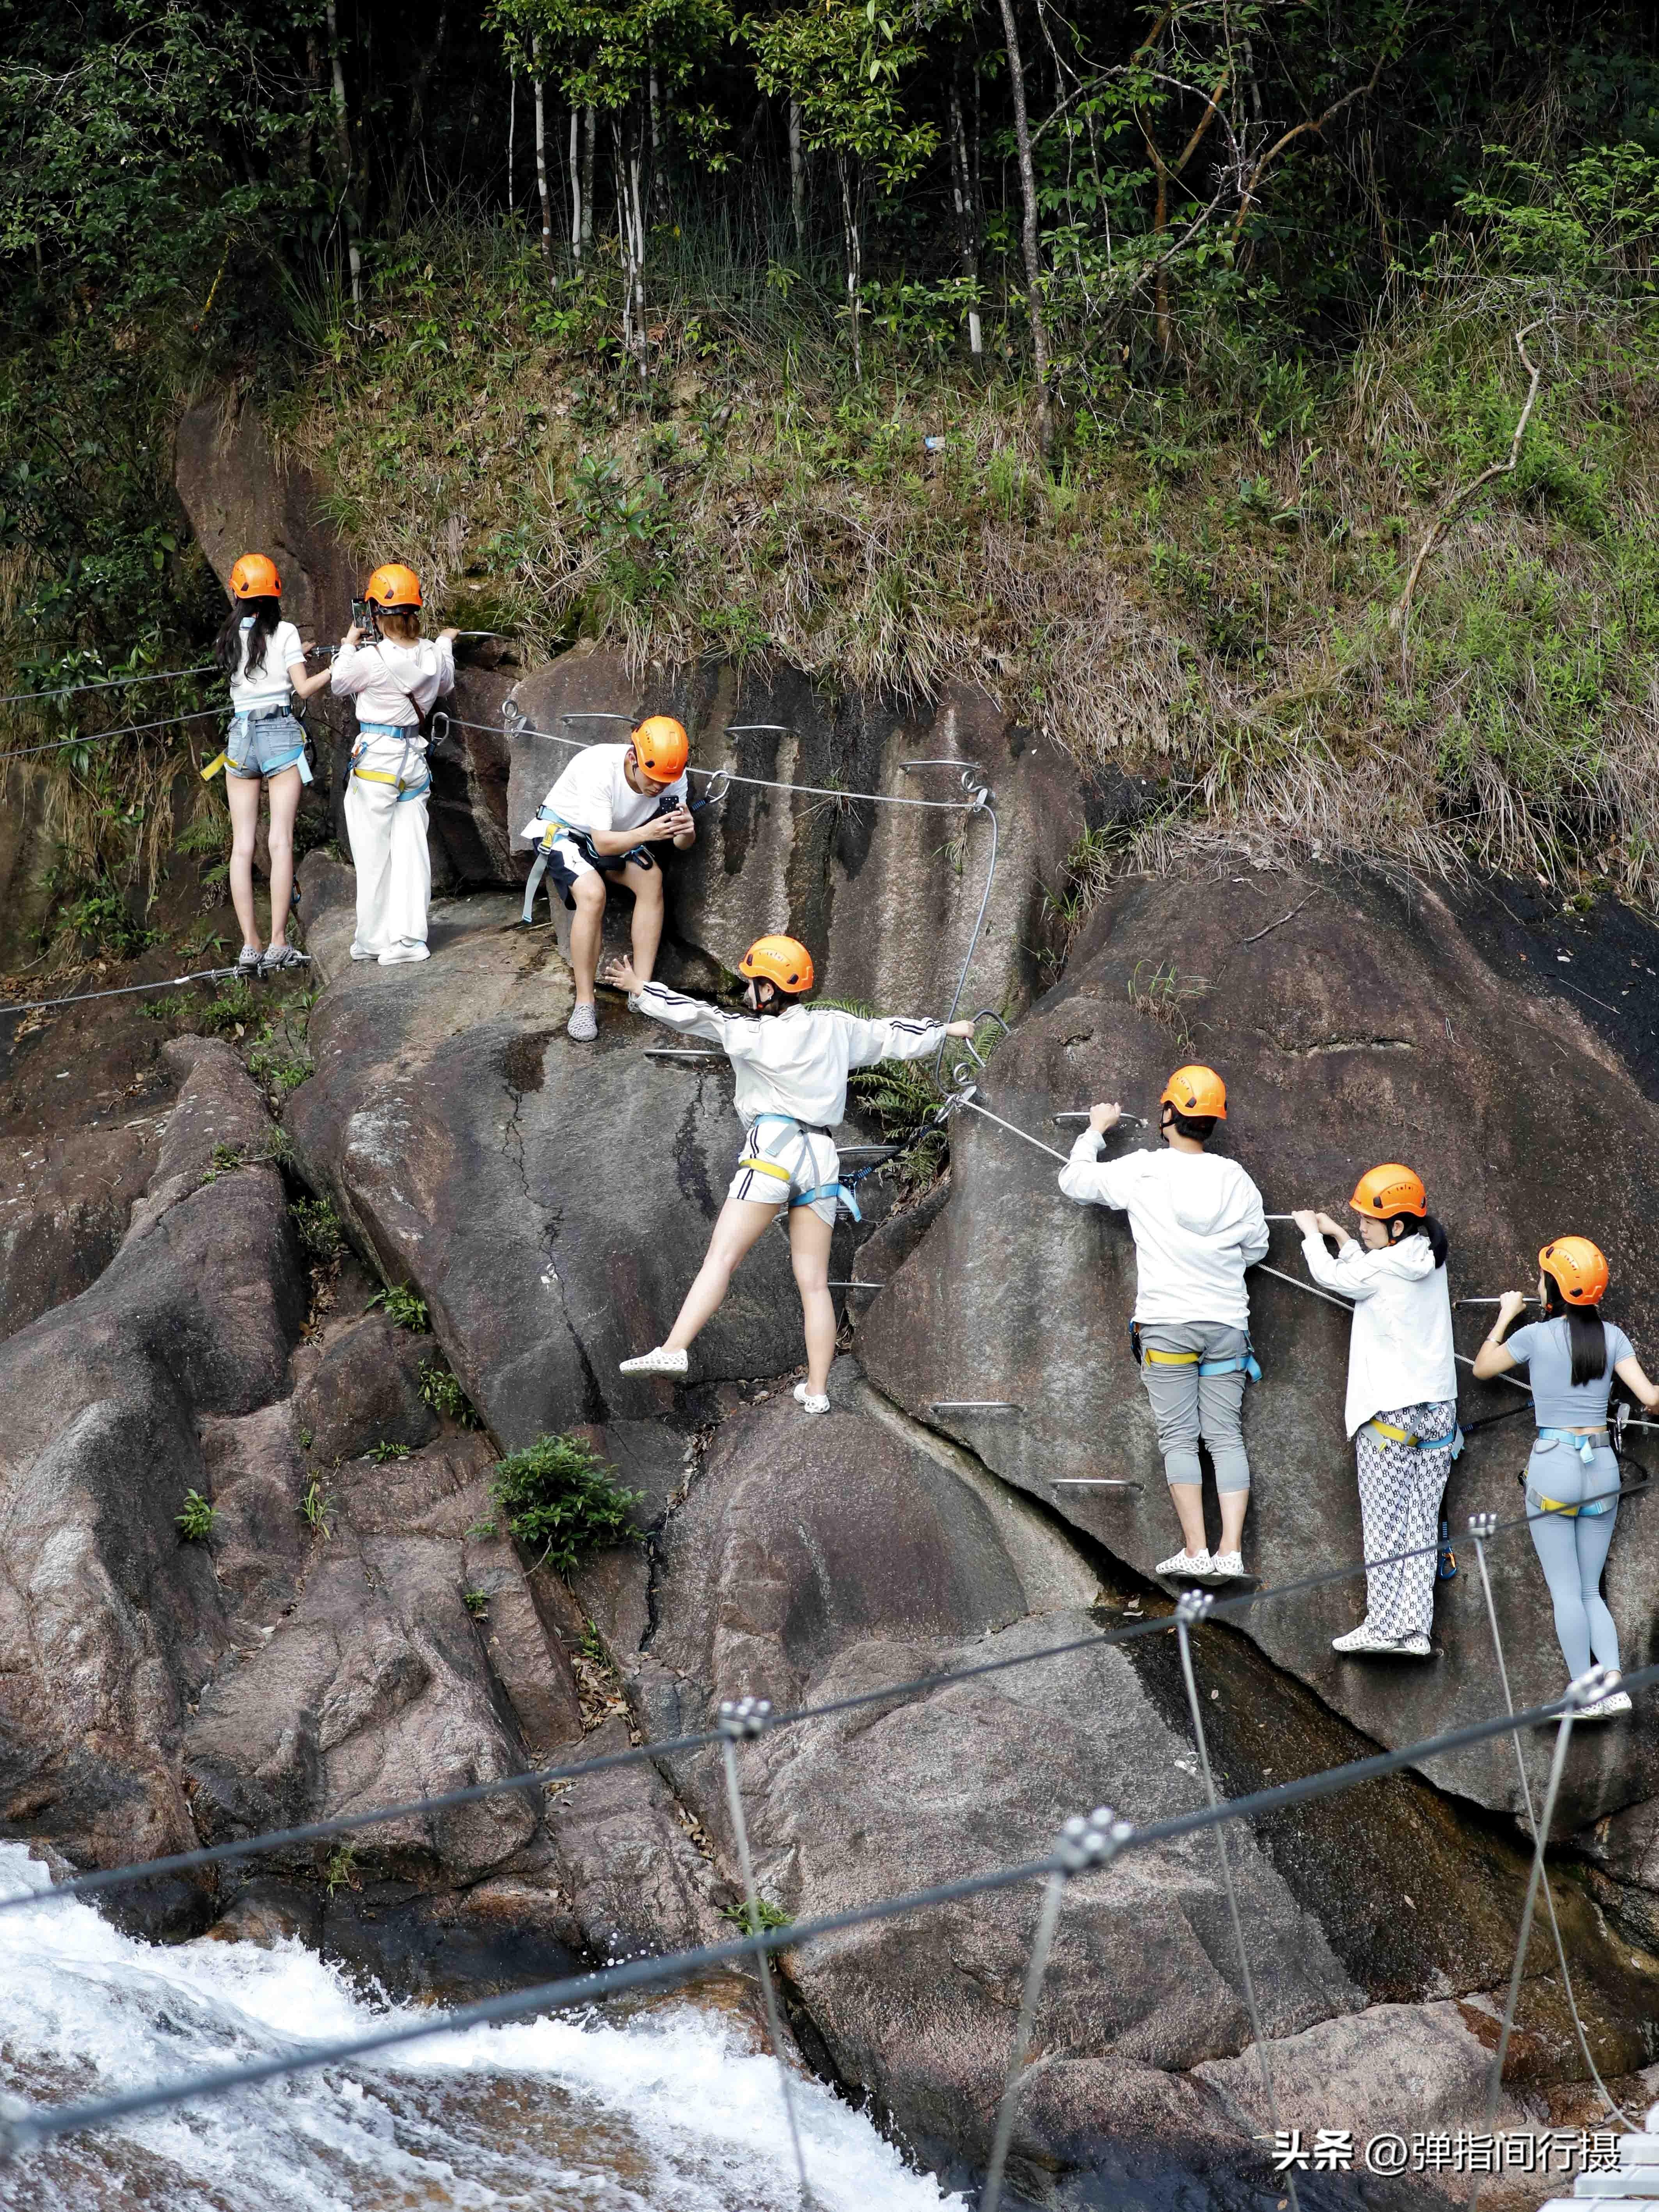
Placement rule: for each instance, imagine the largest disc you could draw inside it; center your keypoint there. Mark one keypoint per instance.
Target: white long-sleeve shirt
(1196, 1219)
(391, 682)
(1400, 1353)
(795, 1062)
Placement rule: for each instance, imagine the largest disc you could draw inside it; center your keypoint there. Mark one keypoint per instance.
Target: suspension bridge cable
(23, 2132)
(1223, 1609)
(105, 684)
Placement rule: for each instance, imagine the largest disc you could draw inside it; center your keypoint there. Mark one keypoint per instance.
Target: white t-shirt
(1196, 1219)
(1401, 1351)
(270, 686)
(795, 1062)
(594, 793)
(393, 684)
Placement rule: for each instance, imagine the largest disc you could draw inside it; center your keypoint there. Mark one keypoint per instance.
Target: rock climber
(264, 662)
(610, 805)
(1402, 1395)
(395, 678)
(1572, 1357)
(792, 1063)
(1197, 1222)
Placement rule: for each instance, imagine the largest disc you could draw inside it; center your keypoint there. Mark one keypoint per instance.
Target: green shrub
(442, 1391)
(315, 1507)
(404, 1306)
(232, 1008)
(196, 1521)
(383, 1451)
(320, 1230)
(756, 1922)
(477, 1602)
(559, 1499)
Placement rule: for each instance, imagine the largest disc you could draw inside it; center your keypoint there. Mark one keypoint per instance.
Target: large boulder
(887, 896)
(64, 1201)
(882, 1554)
(1353, 1022)
(109, 1623)
(551, 1200)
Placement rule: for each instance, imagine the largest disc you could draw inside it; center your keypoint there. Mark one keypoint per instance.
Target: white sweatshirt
(1401, 1351)
(1196, 1220)
(794, 1062)
(393, 683)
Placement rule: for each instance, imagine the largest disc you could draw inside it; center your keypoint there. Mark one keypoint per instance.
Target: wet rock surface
(1361, 1026)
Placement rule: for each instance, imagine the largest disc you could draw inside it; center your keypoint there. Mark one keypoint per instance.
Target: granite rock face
(1364, 1028)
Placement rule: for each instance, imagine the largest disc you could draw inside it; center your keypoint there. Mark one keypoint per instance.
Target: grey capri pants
(1187, 1405)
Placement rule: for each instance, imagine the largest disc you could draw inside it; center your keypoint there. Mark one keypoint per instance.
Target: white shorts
(796, 1160)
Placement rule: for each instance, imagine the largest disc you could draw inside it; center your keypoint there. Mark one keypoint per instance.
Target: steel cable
(120, 991)
(126, 730)
(105, 684)
(23, 2130)
(675, 1746)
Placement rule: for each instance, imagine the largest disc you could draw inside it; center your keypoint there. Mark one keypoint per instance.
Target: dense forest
(1261, 393)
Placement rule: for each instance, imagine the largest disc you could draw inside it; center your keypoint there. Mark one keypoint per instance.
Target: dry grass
(1202, 594)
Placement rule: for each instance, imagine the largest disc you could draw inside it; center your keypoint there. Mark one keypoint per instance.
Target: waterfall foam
(670, 2110)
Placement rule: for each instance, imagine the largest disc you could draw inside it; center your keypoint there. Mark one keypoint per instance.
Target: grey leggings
(1573, 1549)
(1187, 1405)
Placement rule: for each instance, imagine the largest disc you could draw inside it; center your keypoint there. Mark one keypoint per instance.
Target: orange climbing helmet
(1197, 1092)
(1578, 1266)
(394, 585)
(662, 749)
(784, 961)
(1389, 1190)
(254, 577)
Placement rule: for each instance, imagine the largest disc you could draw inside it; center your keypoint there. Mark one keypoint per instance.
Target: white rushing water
(670, 2111)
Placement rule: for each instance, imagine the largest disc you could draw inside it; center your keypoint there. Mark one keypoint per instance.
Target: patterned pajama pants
(1400, 1491)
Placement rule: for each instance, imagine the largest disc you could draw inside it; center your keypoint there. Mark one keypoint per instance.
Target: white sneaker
(362, 953)
(1184, 1563)
(584, 1023)
(805, 1398)
(1371, 1640)
(395, 955)
(1227, 1566)
(1607, 1708)
(659, 1362)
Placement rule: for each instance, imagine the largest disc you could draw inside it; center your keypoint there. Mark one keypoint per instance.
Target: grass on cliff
(1199, 588)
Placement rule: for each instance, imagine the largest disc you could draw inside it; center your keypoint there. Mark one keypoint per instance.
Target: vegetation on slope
(1138, 411)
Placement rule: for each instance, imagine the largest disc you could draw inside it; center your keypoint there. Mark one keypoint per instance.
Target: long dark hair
(1420, 1225)
(227, 646)
(1585, 1333)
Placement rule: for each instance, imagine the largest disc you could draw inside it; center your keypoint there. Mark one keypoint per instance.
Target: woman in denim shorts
(264, 662)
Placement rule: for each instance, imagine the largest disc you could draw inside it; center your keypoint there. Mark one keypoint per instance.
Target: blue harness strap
(841, 1192)
(1584, 1446)
(1247, 1361)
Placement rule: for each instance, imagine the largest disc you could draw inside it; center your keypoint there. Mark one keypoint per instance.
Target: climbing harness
(1393, 1435)
(841, 1192)
(1584, 1445)
(225, 760)
(1149, 1355)
(408, 732)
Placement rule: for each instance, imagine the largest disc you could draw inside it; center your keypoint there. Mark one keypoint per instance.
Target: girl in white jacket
(1402, 1396)
(792, 1063)
(395, 678)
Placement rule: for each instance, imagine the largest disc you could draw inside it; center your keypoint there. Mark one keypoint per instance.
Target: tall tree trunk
(854, 243)
(544, 192)
(797, 177)
(578, 227)
(660, 206)
(342, 155)
(1028, 228)
(962, 193)
(590, 146)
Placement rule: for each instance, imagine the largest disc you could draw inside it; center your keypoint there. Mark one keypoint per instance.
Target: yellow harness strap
(212, 768)
(1394, 1435)
(1171, 1358)
(377, 775)
(766, 1167)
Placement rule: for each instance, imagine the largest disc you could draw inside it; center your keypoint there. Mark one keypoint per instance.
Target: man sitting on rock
(1198, 1225)
(611, 805)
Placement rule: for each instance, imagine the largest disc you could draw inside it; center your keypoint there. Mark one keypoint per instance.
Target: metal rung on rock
(974, 1406)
